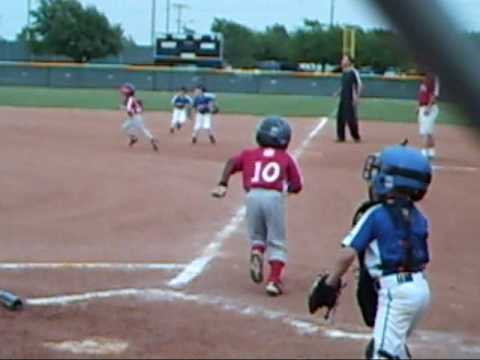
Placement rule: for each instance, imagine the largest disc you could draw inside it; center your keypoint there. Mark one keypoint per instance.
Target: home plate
(91, 346)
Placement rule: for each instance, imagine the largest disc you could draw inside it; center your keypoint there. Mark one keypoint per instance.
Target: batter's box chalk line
(302, 325)
(128, 267)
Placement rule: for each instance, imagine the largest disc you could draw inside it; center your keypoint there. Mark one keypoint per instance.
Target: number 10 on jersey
(266, 172)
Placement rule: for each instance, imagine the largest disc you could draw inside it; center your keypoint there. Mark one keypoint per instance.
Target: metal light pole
(29, 9)
(332, 12)
(154, 22)
(168, 17)
(179, 8)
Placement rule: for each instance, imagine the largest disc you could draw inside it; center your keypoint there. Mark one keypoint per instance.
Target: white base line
(424, 339)
(89, 266)
(303, 327)
(198, 266)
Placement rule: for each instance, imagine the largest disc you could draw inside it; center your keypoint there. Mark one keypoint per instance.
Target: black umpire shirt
(350, 83)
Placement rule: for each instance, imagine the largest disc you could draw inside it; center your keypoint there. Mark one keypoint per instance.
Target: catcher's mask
(398, 170)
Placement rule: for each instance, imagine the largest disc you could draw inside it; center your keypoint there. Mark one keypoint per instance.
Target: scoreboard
(201, 50)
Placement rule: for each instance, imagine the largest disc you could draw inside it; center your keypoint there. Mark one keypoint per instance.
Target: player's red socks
(259, 248)
(277, 268)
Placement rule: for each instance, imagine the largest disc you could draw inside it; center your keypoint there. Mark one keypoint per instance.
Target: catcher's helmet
(274, 132)
(398, 169)
(127, 89)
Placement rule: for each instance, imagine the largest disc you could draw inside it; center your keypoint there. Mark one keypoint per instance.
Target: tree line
(66, 27)
(313, 42)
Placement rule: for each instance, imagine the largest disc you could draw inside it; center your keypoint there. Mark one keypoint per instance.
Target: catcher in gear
(269, 172)
(390, 241)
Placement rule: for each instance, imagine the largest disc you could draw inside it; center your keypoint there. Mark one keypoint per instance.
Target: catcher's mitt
(323, 295)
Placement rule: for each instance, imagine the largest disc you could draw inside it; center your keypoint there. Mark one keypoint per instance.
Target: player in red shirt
(134, 125)
(269, 172)
(428, 112)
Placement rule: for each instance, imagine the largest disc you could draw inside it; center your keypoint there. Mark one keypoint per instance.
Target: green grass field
(285, 105)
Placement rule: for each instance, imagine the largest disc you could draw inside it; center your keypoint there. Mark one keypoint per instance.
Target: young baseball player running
(390, 241)
(428, 112)
(134, 124)
(269, 172)
(204, 106)
(181, 103)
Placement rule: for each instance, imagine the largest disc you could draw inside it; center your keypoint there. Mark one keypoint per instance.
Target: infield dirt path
(73, 193)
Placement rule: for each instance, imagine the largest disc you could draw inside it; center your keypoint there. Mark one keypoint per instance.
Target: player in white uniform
(182, 104)
(134, 125)
(204, 106)
(390, 241)
(428, 111)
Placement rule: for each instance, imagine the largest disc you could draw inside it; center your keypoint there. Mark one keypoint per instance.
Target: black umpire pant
(347, 115)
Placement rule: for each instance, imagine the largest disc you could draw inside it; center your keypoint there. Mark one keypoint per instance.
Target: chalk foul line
(198, 266)
(424, 339)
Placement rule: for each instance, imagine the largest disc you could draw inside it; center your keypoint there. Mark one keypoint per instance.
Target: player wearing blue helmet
(269, 172)
(274, 132)
(390, 241)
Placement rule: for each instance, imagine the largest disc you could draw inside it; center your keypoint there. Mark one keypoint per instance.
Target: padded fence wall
(161, 79)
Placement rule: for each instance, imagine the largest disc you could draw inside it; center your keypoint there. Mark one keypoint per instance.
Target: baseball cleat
(154, 145)
(212, 139)
(194, 140)
(256, 266)
(133, 141)
(274, 289)
(172, 130)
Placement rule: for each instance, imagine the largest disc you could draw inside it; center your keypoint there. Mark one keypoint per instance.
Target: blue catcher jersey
(381, 240)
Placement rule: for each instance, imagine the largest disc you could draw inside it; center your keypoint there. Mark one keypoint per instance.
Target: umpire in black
(349, 95)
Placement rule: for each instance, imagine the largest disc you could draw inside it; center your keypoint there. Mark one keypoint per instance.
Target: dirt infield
(121, 252)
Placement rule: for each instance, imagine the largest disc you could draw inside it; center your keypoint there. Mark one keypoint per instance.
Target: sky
(135, 15)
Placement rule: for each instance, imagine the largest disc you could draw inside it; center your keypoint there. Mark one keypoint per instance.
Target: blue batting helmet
(398, 169)
(274, 132)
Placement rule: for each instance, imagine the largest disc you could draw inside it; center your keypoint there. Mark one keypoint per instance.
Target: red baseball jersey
(267, 168)
(134, 106)
(428, 89)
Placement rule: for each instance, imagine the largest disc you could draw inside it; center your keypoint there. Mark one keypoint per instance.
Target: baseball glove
(323, 295)
(215, 109)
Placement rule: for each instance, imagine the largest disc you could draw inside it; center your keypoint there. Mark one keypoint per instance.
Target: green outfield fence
(155, 78)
